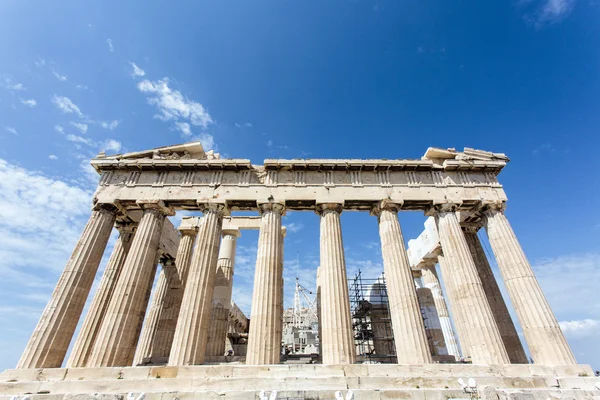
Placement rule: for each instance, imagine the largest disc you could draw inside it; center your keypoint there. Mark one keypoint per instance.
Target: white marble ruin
(187, 319)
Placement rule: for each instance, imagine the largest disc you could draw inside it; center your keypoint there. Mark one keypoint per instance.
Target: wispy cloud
(10, 84)
(172, 105)
(244, 125)
(66, 105)
(11, 130)
(53, 157)
(111, 48)
(83, 128)
(294, 227)
(137, 71)
(79, 139)
(110, 125)
(59, 129)
(111, 145)
(540, 13)
(29, 102)
(81, 87)
(580, 328)
(40, 62)
(60, 77)
(543, 148)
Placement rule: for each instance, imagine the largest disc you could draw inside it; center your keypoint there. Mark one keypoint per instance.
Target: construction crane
(310, 315)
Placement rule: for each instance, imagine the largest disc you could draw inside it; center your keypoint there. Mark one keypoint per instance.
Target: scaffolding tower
(373, 336)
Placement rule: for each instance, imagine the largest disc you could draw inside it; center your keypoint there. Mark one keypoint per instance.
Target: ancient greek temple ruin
(173, 340)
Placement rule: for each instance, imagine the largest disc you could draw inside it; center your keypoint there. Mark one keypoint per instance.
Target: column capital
(470, 228)
(188, 230)
(106, 208)
(387, 205)
(492, 206)
(232, 232)
(158, 205)
(442, 206)
(278, 207)
(219, 208)
(126, 226)
(322, 208)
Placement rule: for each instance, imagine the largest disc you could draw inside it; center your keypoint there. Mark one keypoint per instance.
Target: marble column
(407, 323)
(459, 315)
(430, 281)
(433, 327)
(176, 277)
(189, 342)
(221, 301)
(546, 341)
(484, 340)
(143, 352)
(319, 318)
(120, 330)
(383, 338)
(337, 336)
(263, 340)
(50, 340)
(511, 340)
(93, 320)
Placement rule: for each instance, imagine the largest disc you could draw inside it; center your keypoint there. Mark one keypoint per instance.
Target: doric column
(176, 277)
(459, 315)
(189, 342)
(430, 281)
(221, 301)
(433, 327)
(263, 339)
(50, 339)
(143, 352)
(319, 318)
(407, 322)
(120, 330)
(484, 340)
(506, 327)
(337, 339)
(383, 339)
(93, 320)
(546, 341)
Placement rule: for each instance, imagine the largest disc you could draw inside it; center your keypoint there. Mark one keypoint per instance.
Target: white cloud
(110, 125)
(60, 77)
(11, 130)
(172, 105)
(207, 140)
(580, 328)
(82, 87)
(111, 145)
(59, 129)
(294, 227)
(137, 71)
(269, 143)
(184, 127)
(53, 157)
(66, 105)
(244, 125)
(40, 62)
(29, 102)
(79, 139)
(80, 126)
(8, 83)
(111, 48)
(556, 10)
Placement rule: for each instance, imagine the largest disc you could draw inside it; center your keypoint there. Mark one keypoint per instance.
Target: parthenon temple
(163, 320)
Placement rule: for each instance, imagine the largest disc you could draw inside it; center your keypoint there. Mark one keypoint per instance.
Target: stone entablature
(460, 177)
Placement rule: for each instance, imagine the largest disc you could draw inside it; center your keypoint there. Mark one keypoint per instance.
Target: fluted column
(50, 340)
(143, 350)
(484, 340)
(120, 330)
(263, 339)
(407, 323)
(337, 336)
(319, 318)
(176, 277)
(189, 342)
(430, 281)
(433, 327)
(459, 315)
(511, 340)
(221, 301)
(93, 320)
(546, 341)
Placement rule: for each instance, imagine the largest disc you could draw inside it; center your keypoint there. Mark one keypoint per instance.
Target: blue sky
(290, 79)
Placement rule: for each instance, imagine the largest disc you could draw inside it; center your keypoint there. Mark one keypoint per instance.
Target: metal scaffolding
(373, 336)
